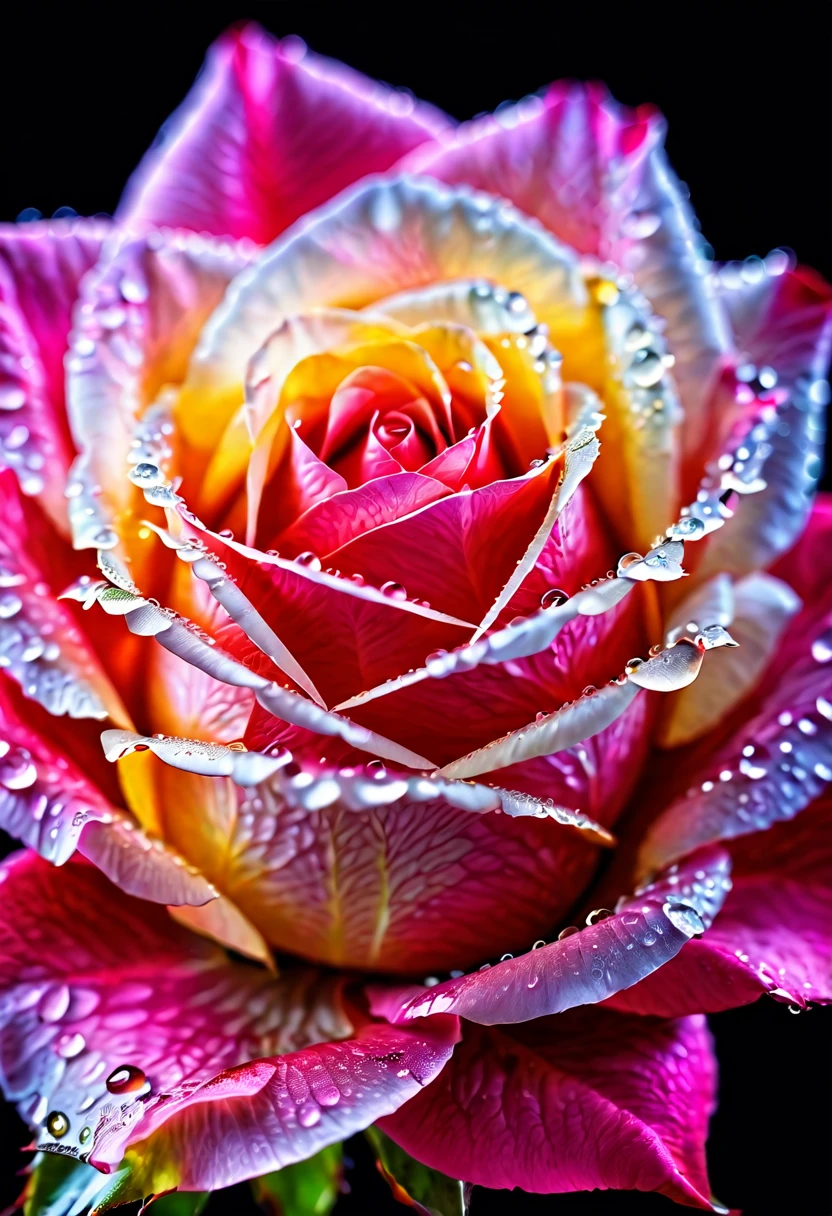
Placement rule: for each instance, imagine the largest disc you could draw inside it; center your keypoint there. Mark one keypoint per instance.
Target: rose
(379, 397)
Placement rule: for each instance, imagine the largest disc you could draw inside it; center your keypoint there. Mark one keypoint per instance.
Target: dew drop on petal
(57, 1124)
(568, 932)
(553, 598)
(310, 560)
(685, 918)
(126, 1079)
(309, 1114)
(394, 591)
(597, 915)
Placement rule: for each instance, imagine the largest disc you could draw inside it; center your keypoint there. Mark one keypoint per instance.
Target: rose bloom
(424, 527)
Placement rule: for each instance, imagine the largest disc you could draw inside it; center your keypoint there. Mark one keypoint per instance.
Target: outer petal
(770, 768)
(78, 1005)
(47, 802)
(596, 175)
(267, 134)
(774, 934)
(41, 266)
(584, 1100)
(588, 966)
(784, 323)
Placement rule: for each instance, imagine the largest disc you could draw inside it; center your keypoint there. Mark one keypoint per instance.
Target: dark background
(83, 90)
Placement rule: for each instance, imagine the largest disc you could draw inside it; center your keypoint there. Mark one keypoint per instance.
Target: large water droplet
(147, 474)
(394, 591)
(822, 648)
(685, 918)
(553, 598)
(308, 559)
(126, 1079)
(568, 932)
(10, 605)
(309, 1114)
(57, 1124)
(646, 369)
(597, 915)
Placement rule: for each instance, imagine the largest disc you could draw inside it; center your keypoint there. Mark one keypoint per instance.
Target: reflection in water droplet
(685, 918)
(597, 915)
(57, 1124)
(126, 1079)
(394, 591)
(309, 1115)
(568, 932)
(553, 598)
(84, 1134)
(310, 560)
(649, 939)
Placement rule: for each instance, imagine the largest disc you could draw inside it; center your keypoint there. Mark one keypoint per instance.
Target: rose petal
(139, 315)
(267, 134)
(774, 934)
(584, 1100)
(78, 1005)
(788, 328)
(48, 803)
(352, 254)
(552, 158)
(769, 769)
(804, 567)
(41, 266)
(41, 647)
(760, 612)
(646, 931)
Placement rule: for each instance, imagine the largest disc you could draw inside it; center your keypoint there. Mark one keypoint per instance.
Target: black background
(83, 90)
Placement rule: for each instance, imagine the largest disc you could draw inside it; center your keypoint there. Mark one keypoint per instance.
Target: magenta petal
(350, 513)
(589, 1099)
(272, 1112)
(41, 266)
(783, 322)
(771, 768)
(48, 804)
(645, 932)
(267, 134)
(79, 1003)
(773, 935)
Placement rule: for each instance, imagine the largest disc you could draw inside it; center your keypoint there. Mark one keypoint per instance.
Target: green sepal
(308, 1188)
(417, 1185)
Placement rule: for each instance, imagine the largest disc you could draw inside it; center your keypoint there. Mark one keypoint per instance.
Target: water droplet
(126, 1079)
(437, 663)
(646, 369)
(568, 932)
(309, 1114)
(597, 915)
(10, 605)
(57, 1124)
(308, 559)
(629, 918)
(54, 1003)
(649, 939)
(147, 474)
(822, 648)
(553, 598)
(394, 591)
(685, 918)
(589, 691)
(84, 1134)
(533, 981)
(71, 1045)
(538, 944)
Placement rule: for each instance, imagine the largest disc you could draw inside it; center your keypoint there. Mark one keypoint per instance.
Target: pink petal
(41, 266)
(774, 934)
(41, 647)
(267, 134)
(411, 887)
(646, 931)
(783, 322)
(458, 552)
(595, 173)
(342, 640)
(275, 1111)
(770, 768)
(79, 1004)
(301, 482)
(803, 567)
(339, 519)
(47, 802)
(138, 318)
(585, 1100)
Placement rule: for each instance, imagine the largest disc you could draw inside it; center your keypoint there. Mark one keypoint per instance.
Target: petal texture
(267, 134)
(583, 1100)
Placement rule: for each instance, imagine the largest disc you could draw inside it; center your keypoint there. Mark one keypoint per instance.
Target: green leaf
(180, 1203)
(417, 1185)
(60, 1185)
(309, 1188)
